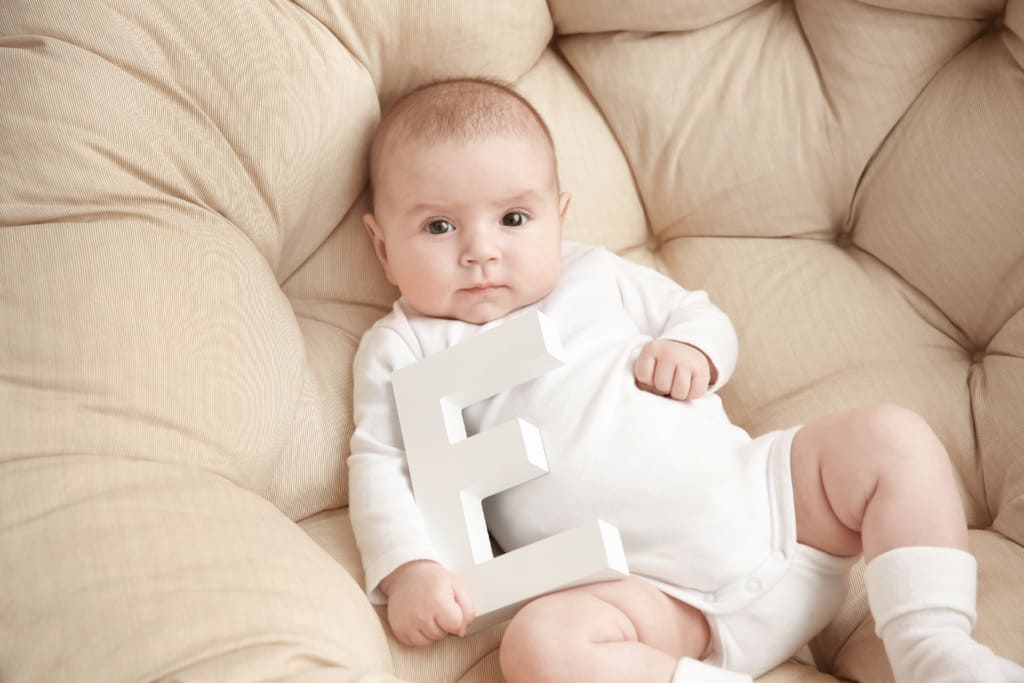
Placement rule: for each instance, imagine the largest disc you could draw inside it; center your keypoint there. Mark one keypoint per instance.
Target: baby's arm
(425, 600)
(694, 349)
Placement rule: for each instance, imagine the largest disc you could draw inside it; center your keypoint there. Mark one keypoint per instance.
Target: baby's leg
(878, 477)
(618, 631)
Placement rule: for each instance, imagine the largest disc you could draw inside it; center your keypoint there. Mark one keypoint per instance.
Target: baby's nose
(480, 248)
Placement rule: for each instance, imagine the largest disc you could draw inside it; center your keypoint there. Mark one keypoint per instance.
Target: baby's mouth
(482, 287)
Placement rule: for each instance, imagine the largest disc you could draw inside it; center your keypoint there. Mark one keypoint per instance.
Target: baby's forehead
(455, 111)
(402, 143)
(415, 167)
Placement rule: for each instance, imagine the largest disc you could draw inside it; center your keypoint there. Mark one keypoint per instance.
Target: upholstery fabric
(184, 278)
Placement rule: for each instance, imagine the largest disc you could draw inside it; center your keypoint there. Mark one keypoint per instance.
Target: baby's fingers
(465, 602)
(682, 385)
(700, 381)
(664, 376)
(418, 630)
(411, 636)
(433, 630)
(449, 618)
(643, 370)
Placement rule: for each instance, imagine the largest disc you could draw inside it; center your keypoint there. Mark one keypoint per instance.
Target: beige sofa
(184, 279)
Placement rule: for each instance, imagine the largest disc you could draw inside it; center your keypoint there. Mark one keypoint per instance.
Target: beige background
(184, 279)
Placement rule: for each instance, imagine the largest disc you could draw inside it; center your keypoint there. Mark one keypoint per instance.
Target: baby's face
(469, 230)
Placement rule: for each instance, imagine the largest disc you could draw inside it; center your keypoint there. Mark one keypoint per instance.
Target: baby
(739, 548)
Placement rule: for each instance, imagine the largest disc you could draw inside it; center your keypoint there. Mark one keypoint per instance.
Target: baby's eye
(439, 227)
(514, 219)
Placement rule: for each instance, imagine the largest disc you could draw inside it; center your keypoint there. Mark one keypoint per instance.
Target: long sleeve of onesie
(663, 309)
(388, 527)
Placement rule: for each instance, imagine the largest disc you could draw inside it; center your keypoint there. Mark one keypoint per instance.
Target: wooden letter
(452, 474)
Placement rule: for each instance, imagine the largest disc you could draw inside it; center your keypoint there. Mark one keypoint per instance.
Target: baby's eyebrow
(527, 196)
(427, 207)
(445, 207)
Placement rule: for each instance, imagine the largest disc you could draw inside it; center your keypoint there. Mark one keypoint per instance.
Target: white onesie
(705, 512)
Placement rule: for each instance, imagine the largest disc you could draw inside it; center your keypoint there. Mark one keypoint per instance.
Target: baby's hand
(426, 602)
(670, 368)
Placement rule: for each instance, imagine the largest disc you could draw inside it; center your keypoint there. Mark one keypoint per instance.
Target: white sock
(923, 601)
(692, 671)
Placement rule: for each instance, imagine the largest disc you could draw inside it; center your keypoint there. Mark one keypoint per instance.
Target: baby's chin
(486, 312)
(483, 314)
(479, 309)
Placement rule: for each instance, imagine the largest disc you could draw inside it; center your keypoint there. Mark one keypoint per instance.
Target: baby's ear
(563, 204)
(377, 239)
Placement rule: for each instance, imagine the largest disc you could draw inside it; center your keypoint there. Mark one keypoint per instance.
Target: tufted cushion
(184, 278)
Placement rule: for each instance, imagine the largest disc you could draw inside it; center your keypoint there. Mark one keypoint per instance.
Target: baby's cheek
(425, 299)
(547, 273)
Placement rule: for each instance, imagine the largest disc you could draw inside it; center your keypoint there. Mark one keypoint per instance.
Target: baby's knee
(888, 421)
(530, 643)
(900, 436)
(553, 636)
(888, 424)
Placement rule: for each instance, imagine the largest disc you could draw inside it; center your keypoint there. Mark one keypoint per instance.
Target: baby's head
(467, 213)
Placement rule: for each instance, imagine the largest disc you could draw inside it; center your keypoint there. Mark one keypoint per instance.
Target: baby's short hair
(459, 109)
